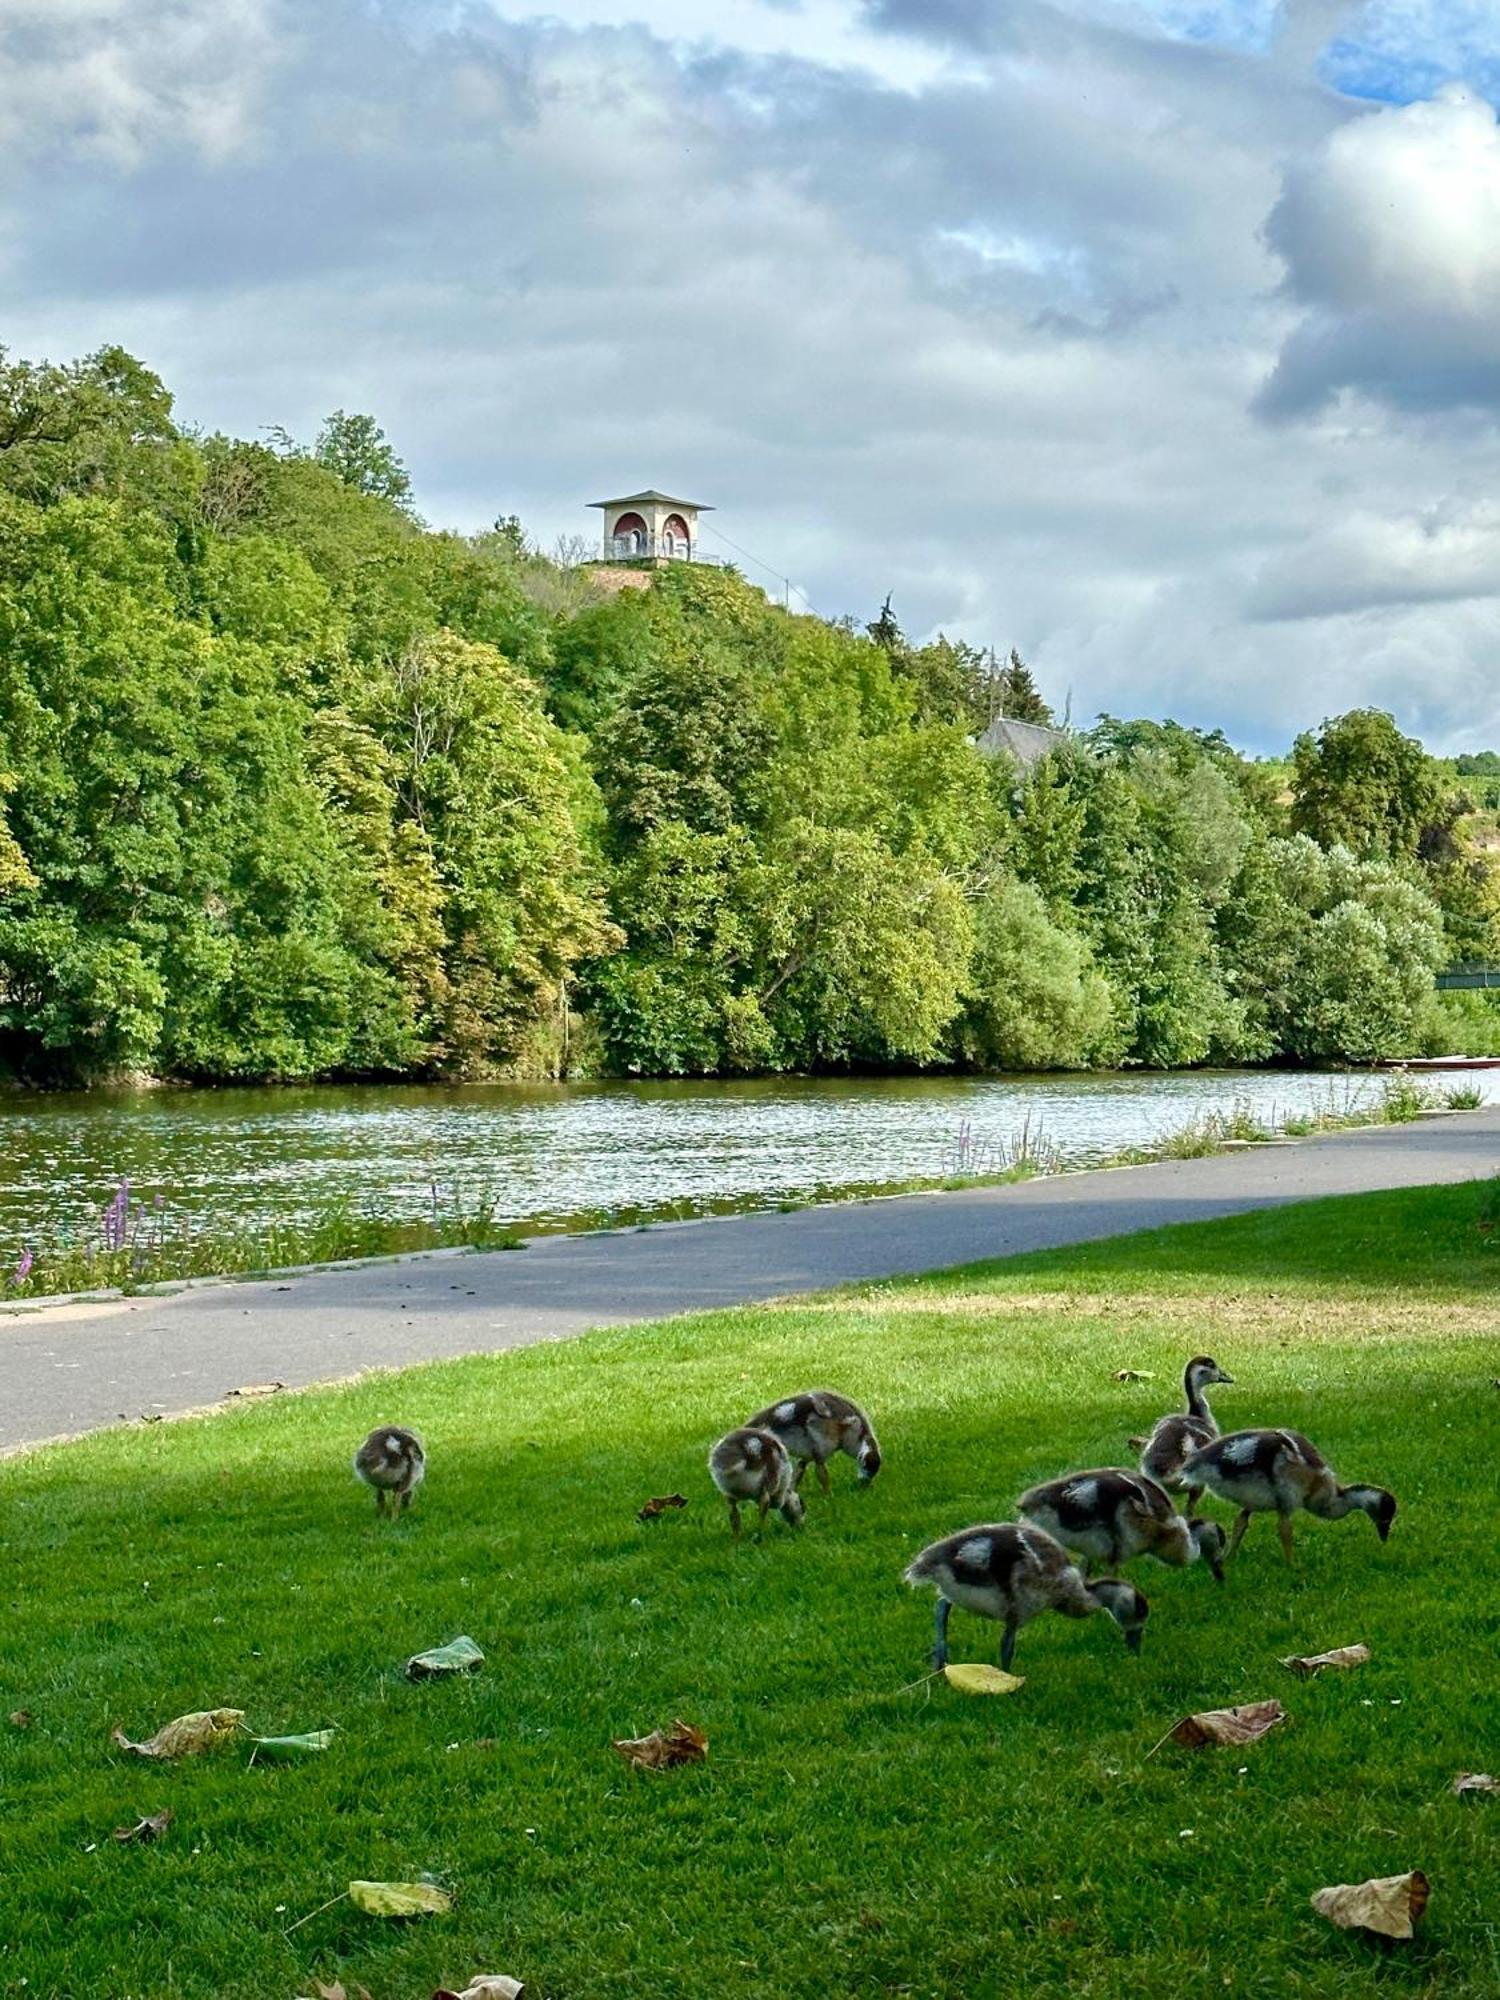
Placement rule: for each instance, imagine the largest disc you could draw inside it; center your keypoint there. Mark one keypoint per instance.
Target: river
(549, 1152)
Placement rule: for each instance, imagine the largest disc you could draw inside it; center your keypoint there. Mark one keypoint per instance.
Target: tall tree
(355, 449)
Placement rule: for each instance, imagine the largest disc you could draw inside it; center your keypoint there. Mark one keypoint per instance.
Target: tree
(1033, 999)
(1018, 695)
(1361, 784)
(354, 448)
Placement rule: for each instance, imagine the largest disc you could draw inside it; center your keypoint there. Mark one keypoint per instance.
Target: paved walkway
(72, 1368)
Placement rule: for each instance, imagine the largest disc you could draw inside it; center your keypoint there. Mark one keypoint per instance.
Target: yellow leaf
(187, 1735)
(1390, 1904)
(980, 1679)
(400, 1899)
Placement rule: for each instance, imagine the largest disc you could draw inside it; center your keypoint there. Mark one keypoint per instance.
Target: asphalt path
(69, 1368)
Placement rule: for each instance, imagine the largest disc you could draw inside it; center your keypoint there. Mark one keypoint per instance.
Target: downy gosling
(1266, 1472)
(1013, 1573)
(815, 1425)
(755, 1467)
(393, 1462)
(1109, 1516)
(1173, 1438)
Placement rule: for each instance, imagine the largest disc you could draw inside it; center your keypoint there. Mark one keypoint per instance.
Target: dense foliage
(290, 784)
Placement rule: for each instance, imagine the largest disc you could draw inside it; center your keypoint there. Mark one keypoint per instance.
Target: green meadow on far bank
(856, 1829)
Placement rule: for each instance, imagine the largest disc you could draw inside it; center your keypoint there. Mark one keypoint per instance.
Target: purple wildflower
(23, 1270)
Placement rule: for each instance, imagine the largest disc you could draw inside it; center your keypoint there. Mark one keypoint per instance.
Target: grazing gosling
(1264, 1472)
(816, 1424)
(1173, 1438)
(393, 1462)
(1012, 1573)
(1109, 1516)
(754, 1465)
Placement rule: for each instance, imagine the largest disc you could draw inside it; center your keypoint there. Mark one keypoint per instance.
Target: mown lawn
(849, 1834)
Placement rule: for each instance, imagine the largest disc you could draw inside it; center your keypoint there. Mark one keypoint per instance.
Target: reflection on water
(556, 1150)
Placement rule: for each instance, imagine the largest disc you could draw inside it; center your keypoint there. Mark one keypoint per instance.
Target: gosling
(1264, 1472)
(1012, 1573)
(1110, 1516)
(754, 1466)
(393, 1462)
(815, 1425)
(1174, 1437)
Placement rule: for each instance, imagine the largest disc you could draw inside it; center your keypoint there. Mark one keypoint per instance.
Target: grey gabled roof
(661, 499)
(1027, 742)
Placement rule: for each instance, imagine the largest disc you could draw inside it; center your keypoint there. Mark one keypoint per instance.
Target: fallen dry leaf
(1245, 1724)
(400, 1899)
(20, 1718)
(187, 1735)
(485, 1986)
(659, 1506)
(1314, 1663)
(255, 1389)
(146, 1829)
(1474, 1781)
(1132, 1375)
(682, 1744)
(981, 1679)
(1391, 1904)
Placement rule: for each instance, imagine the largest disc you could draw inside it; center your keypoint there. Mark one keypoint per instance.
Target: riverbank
(72, 1368)
(947, 1844)
(231, 1184)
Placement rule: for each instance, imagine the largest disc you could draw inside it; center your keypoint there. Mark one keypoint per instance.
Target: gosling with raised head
(1012, 1573)
(816, 1424)
(1173, 1438)
(755, 1467)
(393, 1462)
(1276, 1472)
(1110, 1516)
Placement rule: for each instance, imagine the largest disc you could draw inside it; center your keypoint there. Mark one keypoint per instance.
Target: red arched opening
(675, 536)
(630, 535)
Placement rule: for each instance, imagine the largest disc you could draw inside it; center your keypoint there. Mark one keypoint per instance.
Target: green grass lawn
(849, 1834)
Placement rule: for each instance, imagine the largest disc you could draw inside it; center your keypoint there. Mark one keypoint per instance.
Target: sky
(1159, 339)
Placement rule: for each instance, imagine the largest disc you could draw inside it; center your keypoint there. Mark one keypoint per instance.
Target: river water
(234, 1157)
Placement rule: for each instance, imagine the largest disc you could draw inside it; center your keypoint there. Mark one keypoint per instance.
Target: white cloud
(1391, 235)
(113, 78)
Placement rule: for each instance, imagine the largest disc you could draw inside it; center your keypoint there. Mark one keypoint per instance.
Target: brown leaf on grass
(659, 1506)
(1132, 1375)
(1308, 1664)
(146, 1829)
(681, 1744)
(1245, 1724)
(185, 1736)
(485, 1986)
(20, 1718)
(1474, 1781)
(1390, 1904)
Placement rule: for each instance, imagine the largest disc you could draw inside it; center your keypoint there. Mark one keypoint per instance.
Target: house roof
(651, 495)
(1027, 742)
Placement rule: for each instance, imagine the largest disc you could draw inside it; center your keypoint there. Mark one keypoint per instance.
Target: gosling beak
(1229, 1379)
(1217, 1566)
(1383, 1529)
(1133, 1639)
